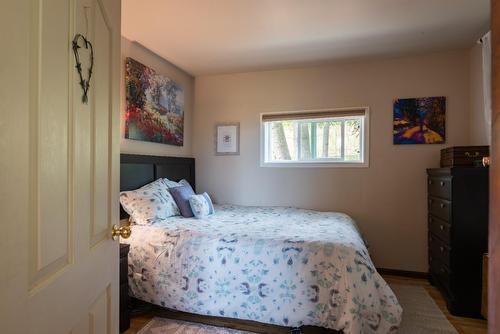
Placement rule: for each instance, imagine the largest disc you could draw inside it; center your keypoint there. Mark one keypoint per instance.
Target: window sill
(315, 164)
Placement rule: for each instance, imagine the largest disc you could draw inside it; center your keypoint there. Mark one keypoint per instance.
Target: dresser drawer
(440, 228)
(124, 308)
(440, 208)
(124, 297)
(441, 274)
(439, 250)
(439, 187)
(123, 269)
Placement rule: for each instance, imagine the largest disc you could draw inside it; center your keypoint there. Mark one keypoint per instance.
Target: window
(315, 138)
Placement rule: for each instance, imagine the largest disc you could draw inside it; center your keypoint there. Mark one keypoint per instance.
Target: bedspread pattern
(283, 266)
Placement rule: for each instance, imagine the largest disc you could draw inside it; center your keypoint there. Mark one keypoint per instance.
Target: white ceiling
(221, 36)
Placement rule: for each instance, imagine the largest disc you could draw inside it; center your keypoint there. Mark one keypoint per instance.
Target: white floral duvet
(283, 266)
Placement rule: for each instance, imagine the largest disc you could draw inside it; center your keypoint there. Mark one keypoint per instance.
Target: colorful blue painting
(419, 120)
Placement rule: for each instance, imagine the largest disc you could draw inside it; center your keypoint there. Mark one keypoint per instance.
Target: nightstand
(124, 298)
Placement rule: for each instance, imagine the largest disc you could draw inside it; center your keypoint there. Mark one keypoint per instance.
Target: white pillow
(173, 184)
(149, 203)
(201, 205)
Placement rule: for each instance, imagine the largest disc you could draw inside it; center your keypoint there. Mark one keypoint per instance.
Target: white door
(59, 165)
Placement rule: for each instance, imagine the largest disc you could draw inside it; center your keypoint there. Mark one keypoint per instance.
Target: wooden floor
(463, 325)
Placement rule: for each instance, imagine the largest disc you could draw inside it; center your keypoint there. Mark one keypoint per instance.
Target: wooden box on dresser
(458, 235)
(124, 297)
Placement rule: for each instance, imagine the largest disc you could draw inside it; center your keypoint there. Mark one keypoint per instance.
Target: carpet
(421, 315)
(169, 326)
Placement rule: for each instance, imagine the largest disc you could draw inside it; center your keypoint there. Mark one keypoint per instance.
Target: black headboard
(138, 170)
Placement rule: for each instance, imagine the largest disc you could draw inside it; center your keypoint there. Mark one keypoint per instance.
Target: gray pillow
(181, 197)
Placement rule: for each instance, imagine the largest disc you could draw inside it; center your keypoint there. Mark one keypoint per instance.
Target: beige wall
(161, 66)
(388, 199)
(478, 135)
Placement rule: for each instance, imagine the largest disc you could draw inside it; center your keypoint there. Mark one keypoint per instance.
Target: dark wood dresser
(124, 298)
(458, 235)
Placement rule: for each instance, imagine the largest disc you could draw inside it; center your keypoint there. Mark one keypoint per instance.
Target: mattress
(283, 266)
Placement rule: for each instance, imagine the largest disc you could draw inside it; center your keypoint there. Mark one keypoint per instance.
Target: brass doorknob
(120, 231)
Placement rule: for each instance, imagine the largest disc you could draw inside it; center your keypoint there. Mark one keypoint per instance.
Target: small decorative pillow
(181, 197)
(201, 205)
(149, 203)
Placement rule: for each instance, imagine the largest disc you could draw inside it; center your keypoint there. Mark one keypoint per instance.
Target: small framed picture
(227, 139)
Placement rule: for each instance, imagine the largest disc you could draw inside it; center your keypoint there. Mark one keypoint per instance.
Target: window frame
(319, 162)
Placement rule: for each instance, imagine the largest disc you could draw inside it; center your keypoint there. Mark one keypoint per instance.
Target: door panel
(97, 319)
(99, 315)
(100, 129)
(50, 121)
(59, 163)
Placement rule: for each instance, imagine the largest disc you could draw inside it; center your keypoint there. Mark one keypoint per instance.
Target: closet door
(59, 167)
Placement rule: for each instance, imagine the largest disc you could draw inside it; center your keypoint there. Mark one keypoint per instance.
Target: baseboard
(403, 273)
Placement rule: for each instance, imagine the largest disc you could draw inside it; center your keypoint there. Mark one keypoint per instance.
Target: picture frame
(227, 139)
(419, 120)
(154, 106)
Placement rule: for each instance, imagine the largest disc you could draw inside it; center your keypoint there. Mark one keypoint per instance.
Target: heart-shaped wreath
(84, 83)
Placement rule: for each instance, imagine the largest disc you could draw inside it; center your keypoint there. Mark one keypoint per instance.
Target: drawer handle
(441, 227)
(441, 249)
(430, 181)
(441, 183)
(471, 155)
(442, 205)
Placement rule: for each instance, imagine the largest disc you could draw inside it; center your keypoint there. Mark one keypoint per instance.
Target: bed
(276, 265)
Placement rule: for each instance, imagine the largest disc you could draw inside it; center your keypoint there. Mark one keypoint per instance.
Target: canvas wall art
(419, 120)
(155, 106)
